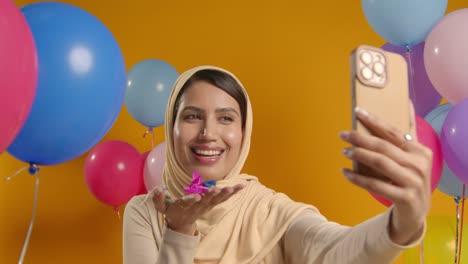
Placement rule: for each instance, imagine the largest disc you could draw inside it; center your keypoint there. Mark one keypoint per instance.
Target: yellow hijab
(245, 228)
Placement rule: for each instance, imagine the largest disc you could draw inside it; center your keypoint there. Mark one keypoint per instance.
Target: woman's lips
(207, 156)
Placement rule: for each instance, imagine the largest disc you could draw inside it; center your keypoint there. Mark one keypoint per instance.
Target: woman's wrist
(404, 233)
(189, 229)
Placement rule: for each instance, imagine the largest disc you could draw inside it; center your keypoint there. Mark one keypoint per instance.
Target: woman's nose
(207, 131)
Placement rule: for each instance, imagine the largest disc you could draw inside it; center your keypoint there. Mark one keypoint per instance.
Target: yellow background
(293, 58)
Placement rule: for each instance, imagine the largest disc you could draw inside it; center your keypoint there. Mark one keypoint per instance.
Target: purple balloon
(423, 94)
(454, 140)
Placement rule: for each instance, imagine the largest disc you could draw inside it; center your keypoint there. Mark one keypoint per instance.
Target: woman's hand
(182, 213)
(405, 167)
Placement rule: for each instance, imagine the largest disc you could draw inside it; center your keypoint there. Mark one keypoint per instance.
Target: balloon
(148, 88)
(428, 137)
(143, 189)
(446, 56)
(454, 139)
(113, 172)
(449, 183)
(401, 22)
(18, 67)
(81, 84)
(154, 166)
(423, 94)
(439, 242)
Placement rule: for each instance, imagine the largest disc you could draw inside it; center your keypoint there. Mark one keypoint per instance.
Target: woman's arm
(313, 239)
(140, 242)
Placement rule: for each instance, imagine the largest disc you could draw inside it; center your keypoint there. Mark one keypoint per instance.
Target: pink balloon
(446, 56)
(429, 138)
(113, 172)
(18, 68)
(143, 189)
(154, 166)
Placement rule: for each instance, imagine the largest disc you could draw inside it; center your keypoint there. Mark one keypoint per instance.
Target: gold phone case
(379, 81)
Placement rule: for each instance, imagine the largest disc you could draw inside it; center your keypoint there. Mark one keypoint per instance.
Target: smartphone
(379, 84)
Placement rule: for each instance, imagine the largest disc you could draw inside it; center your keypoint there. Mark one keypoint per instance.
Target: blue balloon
(81, 84)
(449, 183)
(148, 88)
(403, 22)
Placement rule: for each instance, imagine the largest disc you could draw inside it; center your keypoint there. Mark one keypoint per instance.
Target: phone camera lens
(366, 73)
(379, 68)
(366, 57)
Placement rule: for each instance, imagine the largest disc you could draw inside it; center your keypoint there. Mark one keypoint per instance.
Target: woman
(208, 130)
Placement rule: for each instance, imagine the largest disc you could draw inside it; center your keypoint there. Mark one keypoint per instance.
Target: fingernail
(157, 192)
(345, 135)
(347, 173)
(187, 197)
(361, 112)
(348, 152)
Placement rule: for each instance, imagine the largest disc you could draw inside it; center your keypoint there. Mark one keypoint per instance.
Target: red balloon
(113, 172)
(429, 138)
(19, 74)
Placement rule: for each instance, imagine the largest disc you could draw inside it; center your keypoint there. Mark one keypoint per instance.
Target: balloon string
(116, 209)
(461, 224)
(421, 252)
(14, 174)
(150, 131)
(33, 170)
(457, 201)
(411, 73)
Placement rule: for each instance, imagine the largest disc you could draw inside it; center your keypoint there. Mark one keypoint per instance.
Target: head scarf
(246, 227)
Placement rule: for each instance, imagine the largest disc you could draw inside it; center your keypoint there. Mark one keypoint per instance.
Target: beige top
(310, 238)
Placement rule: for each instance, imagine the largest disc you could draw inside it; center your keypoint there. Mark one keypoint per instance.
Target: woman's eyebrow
(227, 109)
(193, 108)
(218, 110)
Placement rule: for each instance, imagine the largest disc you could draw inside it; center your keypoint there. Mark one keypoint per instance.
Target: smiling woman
(208, 124)
(208, 131)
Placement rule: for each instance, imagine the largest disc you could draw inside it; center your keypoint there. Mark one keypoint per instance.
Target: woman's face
(207, 131)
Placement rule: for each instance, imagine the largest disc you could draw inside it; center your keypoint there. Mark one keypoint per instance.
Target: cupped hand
(181, 214)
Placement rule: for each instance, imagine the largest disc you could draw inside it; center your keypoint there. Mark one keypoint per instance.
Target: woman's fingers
(159, 200)
(376, 186)
(219, 195)
(385, 131)
(375, 144)
(187, 201)
(195, 204)
(382, 164)
(225, 193)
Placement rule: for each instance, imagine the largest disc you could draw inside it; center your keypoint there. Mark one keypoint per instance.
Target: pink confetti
(196, 186)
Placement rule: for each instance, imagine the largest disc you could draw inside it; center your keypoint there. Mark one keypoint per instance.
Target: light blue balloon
(148, 88)
(403, 22)
(449, 183)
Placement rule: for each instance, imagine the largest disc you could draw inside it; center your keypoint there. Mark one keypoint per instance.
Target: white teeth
(208, 152)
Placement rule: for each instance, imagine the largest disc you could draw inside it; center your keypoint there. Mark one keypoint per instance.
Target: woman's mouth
(207, 156)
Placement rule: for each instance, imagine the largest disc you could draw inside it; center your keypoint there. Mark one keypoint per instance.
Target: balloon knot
(408, 49)
(33, 169)
(149, 131)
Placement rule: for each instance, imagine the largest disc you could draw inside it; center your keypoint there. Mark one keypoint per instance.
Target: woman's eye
(192, 116)
(227, 119)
